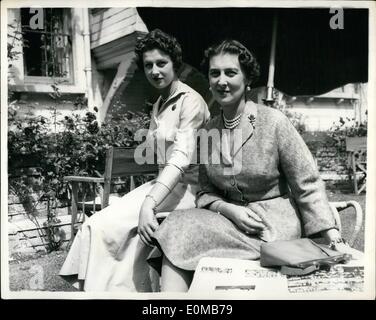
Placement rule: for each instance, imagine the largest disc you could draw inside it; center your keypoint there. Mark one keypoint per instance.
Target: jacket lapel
(154, 113)
(180, 89)
(247, 124)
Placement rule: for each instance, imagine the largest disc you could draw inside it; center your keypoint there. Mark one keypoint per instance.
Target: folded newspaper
(232, 276)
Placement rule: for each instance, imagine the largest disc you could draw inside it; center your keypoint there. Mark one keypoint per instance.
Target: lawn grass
(23, 271)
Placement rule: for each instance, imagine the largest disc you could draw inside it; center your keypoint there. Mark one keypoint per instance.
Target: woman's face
(227, 80)
(158, 68)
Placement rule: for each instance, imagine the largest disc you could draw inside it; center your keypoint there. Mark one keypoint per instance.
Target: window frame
(47, 79)
(77, 80)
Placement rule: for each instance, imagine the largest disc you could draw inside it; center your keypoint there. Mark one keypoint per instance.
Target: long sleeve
(303, 178)
(194, 114)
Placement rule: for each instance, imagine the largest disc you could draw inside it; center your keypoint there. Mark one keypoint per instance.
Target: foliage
(57, 146)
(347, 127)
(74, 145)
(296, 118)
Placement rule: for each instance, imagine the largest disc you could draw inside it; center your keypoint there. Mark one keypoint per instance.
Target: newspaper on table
(225, 275)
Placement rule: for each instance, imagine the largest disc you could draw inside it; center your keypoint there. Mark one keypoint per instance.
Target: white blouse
(172, 128)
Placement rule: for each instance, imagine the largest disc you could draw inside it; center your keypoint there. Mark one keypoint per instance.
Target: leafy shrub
(78, 148)
(347, 127)
(73, 145)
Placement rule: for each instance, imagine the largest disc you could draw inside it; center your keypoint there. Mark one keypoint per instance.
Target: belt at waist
(245, 202)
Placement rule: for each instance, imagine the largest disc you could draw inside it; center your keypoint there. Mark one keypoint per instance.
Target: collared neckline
(181, 88)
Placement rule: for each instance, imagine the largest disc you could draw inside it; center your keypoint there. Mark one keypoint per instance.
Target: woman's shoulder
(189, 91)
(270, 113)
(270, 118)
(193, 103)
(191, 97)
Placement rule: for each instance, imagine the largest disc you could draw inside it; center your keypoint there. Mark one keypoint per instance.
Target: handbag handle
(308, 267)
(328, 261)
(295, 271)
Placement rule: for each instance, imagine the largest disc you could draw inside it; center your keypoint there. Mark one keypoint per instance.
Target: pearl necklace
(231, 124)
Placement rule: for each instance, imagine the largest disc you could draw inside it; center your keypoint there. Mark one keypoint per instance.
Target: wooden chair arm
(341, 205)
(83, 179)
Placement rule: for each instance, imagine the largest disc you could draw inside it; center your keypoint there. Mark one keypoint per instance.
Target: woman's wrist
(333, 237)
(149, 202)
(330, 234)
(223, 208)
(337, 242)
(215, 206)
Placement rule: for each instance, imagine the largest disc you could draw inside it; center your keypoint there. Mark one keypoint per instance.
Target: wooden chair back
(355, 144)
(357, 162)
(121, 162)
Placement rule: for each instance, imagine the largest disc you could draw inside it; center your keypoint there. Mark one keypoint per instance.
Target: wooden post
(125, 69)
(270, 86)
(107, 177)
(74, 210)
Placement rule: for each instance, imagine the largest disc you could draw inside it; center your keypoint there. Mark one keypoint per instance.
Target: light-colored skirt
(107, 253)
(186, 236)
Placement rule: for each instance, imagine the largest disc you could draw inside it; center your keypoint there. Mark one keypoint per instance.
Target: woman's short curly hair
(158, 39)
(247, 59)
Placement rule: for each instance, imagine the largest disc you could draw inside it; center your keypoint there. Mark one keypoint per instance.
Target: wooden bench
(357, 162)
(120, 162)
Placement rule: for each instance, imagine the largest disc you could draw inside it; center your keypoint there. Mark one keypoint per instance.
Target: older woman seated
(266, 186)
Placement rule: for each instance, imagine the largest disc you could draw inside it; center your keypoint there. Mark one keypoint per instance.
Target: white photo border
(369, 289)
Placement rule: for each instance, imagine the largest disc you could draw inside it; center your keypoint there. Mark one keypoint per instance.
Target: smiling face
(158, 68)
(227, 80)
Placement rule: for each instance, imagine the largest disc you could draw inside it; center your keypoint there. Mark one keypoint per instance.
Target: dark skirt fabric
(186, 236)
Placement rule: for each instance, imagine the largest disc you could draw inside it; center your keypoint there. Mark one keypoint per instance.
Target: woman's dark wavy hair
(158, 39)
(247, 59)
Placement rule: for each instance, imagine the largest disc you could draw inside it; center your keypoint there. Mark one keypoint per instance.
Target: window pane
(47, 51)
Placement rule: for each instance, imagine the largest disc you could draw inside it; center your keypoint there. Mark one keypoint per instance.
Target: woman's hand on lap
(244, 218)
(147, 224)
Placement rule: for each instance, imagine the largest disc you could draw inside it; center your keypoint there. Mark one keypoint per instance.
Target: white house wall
(110, 24)
(320, 114)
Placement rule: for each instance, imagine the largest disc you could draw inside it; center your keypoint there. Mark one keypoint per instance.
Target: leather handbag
(299, 256)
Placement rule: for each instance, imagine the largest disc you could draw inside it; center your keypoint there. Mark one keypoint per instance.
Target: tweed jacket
(267, 165)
